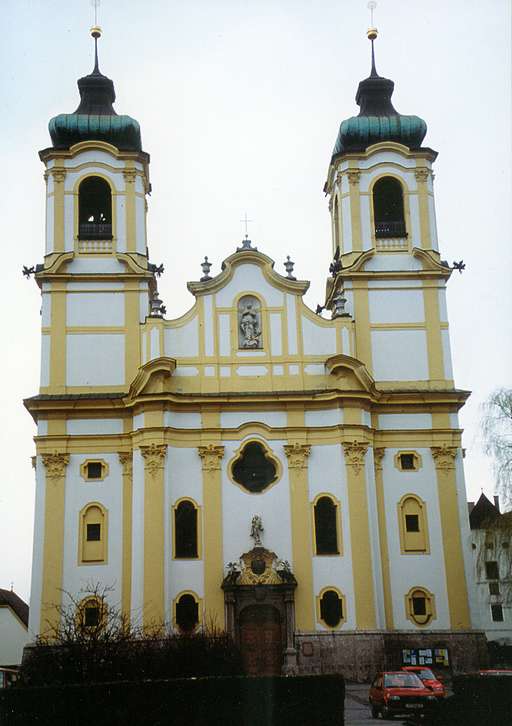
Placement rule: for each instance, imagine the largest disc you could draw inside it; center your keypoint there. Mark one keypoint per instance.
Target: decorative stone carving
(154, 457)
(211, 456)
(444, 457)
(126, 461)
(354, 454)
(297, 455)
(58, 175)
(339, 177)
(249, 323)
(257, 530)
(331, 204)
(55, 464)
(259, 567)
(378, 455)
(129, 175)
(354, 176)
(422, 175)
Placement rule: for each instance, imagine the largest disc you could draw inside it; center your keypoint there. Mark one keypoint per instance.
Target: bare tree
(497, 434)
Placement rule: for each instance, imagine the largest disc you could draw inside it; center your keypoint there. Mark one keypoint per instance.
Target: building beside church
(294, 477)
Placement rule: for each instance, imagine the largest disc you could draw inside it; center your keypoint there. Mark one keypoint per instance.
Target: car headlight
(394, 698)
(431, 698)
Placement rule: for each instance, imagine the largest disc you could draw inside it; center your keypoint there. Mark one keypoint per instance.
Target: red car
(398, 693)
(428, 679)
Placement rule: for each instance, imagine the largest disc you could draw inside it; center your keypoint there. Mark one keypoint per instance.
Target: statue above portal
(256, 530)
(249, 323)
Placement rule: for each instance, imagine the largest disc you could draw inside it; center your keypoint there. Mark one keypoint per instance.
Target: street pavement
(357, 710)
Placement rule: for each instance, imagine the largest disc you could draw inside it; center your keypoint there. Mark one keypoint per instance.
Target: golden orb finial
(372, 33)
(96, 32)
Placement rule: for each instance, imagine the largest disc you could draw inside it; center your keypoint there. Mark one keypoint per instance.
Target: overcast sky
(239, 105)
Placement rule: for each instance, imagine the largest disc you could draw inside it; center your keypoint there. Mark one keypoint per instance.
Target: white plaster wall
(389, 285)
(78, 493)
(387, 157)
(120, 230)
(396, 306)
(209, 345)
(248, 277)
(346, 224)
(75, 175)
(50, 220)
(392, 261)
(143, 305)
(138, 421)
(95, 309)
(329, 417)
(186, 371)
(327, 474)
(46, 309)
(276, 335)
(373, 519)
(140, 225)
(84, 265)
(366, 224)
(42, 427)
(406, 176)
(224, 335)
(182, 419)
(252, 370)
(408, 571)
(13, 638)
(414, 210)
(137, 599)
(95, 360)
(390, 421)
(154, 343)
(317, 339)
(69, 222)
(86, 286)
(314, 369)
(399, 355)
(93, 157)
(45, 360)
(233, 419)
(447, 354)
(443, 310)
(292, 324)
(36, 585)
(239, 507)
(432, 221)
(183, 341)
(465, 535)
(94, 426)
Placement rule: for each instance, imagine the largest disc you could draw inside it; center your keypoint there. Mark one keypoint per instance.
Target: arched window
(93, 533)
(186, 612)
(420, 606)
(388, 208)
(331, 608)
(254, 468)
(326, 526)
(412, 522)
(185, 530)
(90, 612)
(94, 209)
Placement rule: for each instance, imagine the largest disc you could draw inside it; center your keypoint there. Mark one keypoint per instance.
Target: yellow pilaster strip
(132, 335)
(297, 455)
(58, 338)
(362, 328)
(131, 228)
(355, 209)
(154, 540)
(53, 549)
(378, 454)
(422, 176)
(433, 325)
(59, 175)
(444, 459)
(211, 457)
(362, 566)
(126, 589)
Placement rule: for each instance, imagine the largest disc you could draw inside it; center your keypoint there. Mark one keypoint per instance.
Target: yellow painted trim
(211, 460)
(417, 460)
(126, 461)
(57, 372)
(343, 607)
(104, 470)
(132, 337)
(58, 172)
(430, 602)
(200, 612)
(154, 456)
(82, 606)
(406, 205)
(378, 455)
(406, 546)
(434, 339)
(362, 329)
(83, 559)
(339, 528)
(199, 528)
(268, 453)
(355, 209)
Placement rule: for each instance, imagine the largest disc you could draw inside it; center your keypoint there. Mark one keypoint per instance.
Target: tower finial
(372, 34)
(96, 33)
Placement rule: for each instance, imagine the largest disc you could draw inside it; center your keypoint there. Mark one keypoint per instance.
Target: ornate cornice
(444, 457)
(58, 174)
(154, 457)
(422, 175)
(126, 461)
(129, 175)
(55, 464)
(354, 176)
(297, 455)
(211, 456)
(378, 455)
(354, 454)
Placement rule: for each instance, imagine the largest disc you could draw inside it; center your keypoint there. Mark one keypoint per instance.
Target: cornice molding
(152, 378)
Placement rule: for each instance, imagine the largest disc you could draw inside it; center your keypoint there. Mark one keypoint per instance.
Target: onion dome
(378, 120)
(95, 118)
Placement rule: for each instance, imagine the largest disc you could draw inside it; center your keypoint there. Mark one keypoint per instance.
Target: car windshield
(426, 673)
(402, 680)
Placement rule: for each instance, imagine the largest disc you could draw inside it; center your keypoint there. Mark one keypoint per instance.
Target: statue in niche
(249, 323)
(257, 530)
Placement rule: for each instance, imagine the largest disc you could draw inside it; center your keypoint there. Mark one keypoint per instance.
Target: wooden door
(260, 640)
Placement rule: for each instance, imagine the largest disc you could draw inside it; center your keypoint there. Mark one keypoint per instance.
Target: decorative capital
(211, 456)
(444, 457)
(422, 174)
(297, 455)
(126, 461)
(55, 464)
(354, 454)
(154, 457)
(339, 178)
(58, 175)
(378, 455)
(354, 176)
(129, 175)
(330, 204)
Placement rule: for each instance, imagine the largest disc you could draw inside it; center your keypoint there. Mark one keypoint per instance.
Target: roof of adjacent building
(19, 607)
(483, 513)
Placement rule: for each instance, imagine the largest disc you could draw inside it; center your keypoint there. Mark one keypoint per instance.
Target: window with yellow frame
(420, 606)
(93, 534)
(187, 612)
(331, 608)
(186, 530)
(413, 525)
(326, 526)
(94, 470)
(408, 461)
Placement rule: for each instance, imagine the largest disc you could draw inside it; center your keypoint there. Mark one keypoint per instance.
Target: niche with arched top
(94, 209)
(255, 468)
(388, 208)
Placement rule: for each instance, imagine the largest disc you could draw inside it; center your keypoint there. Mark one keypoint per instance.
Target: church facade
(293, 477)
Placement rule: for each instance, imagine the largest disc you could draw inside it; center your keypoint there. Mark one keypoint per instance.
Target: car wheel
(375, 712)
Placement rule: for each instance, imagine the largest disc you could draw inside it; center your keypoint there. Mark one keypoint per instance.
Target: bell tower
(95, 280)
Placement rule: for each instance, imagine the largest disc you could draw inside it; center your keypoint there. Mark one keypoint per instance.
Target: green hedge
(477, 701)
(229, 701)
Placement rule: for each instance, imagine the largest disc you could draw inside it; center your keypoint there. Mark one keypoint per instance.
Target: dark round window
(331, 608)
(253, 470)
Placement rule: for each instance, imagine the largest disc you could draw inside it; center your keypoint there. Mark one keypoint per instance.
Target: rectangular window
(94, 470)
(419, 606)
(407, 461)
(491, 571)
(412, 523)
(494, 588)
(92, 616)
(497, 613)
(93, 532)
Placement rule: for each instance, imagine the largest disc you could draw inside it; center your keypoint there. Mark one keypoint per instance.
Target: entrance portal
(260, 640)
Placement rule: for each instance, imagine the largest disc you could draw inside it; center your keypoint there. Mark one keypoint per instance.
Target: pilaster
(378, 455)
(125, 459)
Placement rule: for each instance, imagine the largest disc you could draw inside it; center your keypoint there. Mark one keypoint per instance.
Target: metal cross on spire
(371, 7)
(95, 4)
(246, 222)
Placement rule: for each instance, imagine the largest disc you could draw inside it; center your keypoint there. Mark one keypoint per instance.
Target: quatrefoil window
(254, 468)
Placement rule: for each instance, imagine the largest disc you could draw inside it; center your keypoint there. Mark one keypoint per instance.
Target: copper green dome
(95, 118)
(378, 120)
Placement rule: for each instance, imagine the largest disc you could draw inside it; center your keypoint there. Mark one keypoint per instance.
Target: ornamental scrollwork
(378, 455)
(297, 455)
(129, 175)
(354, 454)
(444, 457)
(125, 459)
(154, 457)
(55, 464)
(211, 456)
(422, 175)
(354, 176)
(58, 175)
